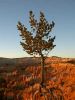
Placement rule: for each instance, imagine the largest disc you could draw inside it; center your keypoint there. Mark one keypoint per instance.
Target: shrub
(19, 87)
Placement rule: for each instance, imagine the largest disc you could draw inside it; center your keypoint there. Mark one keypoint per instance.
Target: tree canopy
(39, 40)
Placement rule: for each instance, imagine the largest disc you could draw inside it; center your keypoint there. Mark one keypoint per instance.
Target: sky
(62, 12)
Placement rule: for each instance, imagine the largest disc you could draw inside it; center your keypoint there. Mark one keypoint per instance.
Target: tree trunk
(42, 70)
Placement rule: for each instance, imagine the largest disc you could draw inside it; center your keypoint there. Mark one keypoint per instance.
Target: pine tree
(38, 41)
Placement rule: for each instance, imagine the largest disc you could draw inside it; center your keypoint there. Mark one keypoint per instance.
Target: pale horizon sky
(62, 12)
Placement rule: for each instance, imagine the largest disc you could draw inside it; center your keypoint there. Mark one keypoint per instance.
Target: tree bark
(42, 70)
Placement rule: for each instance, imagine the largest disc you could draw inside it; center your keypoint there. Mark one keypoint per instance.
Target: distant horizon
(34, 57)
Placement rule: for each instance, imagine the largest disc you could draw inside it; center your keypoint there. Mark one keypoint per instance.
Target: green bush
(2, 80)
(10, 98)
(19, 87)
